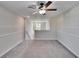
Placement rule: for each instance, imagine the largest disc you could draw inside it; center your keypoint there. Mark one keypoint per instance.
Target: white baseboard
(68, 48)
(45, 39)
(11, 48)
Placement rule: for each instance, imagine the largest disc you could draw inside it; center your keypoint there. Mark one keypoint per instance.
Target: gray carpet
(39, 49)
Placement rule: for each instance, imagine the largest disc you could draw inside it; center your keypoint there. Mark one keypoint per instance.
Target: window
(41, 25)
(38, 26)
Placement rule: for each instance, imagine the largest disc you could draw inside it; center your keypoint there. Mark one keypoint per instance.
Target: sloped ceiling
(20, 7)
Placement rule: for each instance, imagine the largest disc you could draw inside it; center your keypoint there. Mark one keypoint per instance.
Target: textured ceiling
(20, 7)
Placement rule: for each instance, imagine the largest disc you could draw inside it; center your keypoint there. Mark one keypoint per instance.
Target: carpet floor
(39, 49)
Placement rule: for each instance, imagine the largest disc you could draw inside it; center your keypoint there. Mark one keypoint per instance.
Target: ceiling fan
(42, 8)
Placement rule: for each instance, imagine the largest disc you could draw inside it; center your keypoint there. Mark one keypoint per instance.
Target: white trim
(69, 48)
(45, 39)
(11, 48)
(28, 35)
(40, 21)
(1, 36)
(69, 34)
(10, 33)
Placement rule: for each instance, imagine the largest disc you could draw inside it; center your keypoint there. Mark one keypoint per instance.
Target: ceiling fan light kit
(42, 11)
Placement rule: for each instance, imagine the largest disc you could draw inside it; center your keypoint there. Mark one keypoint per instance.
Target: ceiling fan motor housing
(41, 4)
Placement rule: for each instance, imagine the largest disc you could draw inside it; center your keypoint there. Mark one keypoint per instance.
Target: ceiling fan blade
(40, 7)
(51, 9)
(48, 3)
(34, 13)
(32, 6)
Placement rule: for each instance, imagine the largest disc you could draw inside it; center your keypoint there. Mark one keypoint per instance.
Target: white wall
(68, 29)
(11, 30)
(29, 29)
(47, 34)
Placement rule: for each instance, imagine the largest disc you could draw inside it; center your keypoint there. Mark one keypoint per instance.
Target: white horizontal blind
(41, 25)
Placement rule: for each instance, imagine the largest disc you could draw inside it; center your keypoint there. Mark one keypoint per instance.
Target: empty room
(39, 29)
